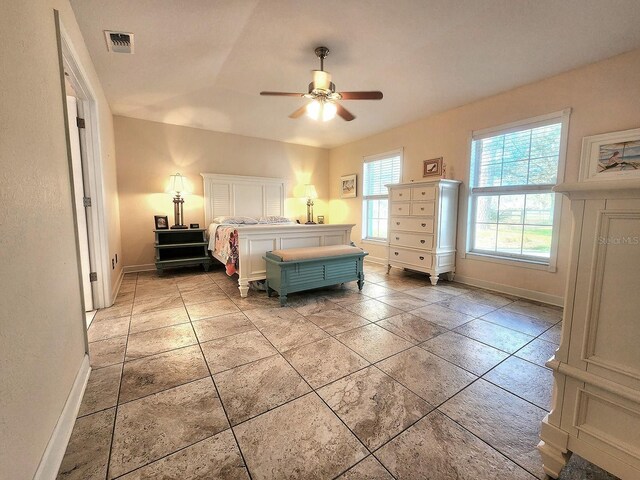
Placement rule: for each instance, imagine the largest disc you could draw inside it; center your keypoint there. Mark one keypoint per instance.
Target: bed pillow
(235, 220)
(270, 219)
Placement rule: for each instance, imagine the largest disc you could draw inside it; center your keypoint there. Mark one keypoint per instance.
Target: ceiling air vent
(119, 42)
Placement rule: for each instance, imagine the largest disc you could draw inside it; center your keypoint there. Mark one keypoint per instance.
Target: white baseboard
(378, 260)
(53, 454)
(508, 289)
(139, 268)
(116, 289)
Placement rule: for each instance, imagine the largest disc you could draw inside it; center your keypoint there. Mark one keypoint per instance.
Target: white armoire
(596, 401)
(422, 227)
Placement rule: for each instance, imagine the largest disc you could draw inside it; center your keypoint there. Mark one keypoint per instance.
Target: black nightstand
(181, 248)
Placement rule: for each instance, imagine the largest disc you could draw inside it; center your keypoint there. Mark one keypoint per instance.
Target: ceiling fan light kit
(323, 95)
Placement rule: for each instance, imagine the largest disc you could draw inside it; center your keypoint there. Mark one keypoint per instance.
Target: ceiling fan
(324, 98)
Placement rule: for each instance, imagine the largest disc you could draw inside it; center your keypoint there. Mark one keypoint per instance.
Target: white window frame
(399, 152)
(542, 264)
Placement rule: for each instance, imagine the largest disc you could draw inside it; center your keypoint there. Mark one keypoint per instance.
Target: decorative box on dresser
(596, 401)
(422, 227)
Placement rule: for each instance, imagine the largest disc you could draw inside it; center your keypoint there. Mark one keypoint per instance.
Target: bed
(256, 197)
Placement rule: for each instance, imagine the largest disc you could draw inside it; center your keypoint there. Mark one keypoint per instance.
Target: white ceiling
(202, 63)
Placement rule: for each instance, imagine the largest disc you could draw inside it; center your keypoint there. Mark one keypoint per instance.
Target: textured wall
(41, 320)
(41, 327)
(604, 96)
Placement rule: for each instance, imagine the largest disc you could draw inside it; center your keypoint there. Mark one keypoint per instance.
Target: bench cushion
(307, 253)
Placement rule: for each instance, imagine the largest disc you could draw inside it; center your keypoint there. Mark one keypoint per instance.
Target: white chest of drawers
(422, 227)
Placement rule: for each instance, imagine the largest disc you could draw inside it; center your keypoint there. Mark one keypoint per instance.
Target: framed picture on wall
(432, 168)
(611, 156)
(348, 186)
(161, 222)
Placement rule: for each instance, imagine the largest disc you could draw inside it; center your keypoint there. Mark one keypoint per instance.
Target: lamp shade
(310, 192)
(177, 184)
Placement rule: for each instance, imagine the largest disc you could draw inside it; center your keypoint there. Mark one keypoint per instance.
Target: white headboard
(242, 195)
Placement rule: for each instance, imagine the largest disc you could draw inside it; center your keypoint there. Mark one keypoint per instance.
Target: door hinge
(86, 201)
(93, 277)
(80, 122)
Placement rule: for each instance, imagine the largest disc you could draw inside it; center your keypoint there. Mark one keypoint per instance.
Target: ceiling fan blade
(344, 113)
(283, 94)
(361, 95)
(299, 112)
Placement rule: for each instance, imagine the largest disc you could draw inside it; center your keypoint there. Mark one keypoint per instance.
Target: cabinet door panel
(612, 335)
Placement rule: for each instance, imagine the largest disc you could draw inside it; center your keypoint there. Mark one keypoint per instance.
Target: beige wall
(148, 152)
(42, 341)
(604, 97)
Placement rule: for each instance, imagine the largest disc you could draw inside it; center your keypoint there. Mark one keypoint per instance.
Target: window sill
(375, 242)
(531, 264)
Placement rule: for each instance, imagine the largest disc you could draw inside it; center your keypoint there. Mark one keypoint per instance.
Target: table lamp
(177, 185)
(311, 194)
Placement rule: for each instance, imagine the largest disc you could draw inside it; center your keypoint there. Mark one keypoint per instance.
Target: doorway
(92, 224)
(77, 144)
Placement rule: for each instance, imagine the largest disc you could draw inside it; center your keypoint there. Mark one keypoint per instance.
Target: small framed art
(348, 186)
(161, 222)
(320, 219)
(611, 156)
(432, 168)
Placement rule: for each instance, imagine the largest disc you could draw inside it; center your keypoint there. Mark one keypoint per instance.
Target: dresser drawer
(400, 194)
(423, 193)
(422, 208)
(410, 257)
(400, 208)
(412, 240)
(412, 224)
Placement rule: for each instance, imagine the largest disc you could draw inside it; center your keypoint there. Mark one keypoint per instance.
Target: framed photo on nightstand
(161, 222)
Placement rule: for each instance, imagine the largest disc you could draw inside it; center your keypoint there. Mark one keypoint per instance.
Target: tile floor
(402, 380)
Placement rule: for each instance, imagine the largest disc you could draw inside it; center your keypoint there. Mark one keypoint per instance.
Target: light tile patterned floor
(401, 381)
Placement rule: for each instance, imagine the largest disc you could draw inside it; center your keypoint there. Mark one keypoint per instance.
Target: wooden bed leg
(361, 282)
(388, 269)
(283, 300)
(243, 286)
(434, 279)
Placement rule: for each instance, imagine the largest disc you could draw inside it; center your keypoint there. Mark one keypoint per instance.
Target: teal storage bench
(299, 269)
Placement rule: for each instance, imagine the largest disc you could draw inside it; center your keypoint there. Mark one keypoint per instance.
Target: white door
(78, 184)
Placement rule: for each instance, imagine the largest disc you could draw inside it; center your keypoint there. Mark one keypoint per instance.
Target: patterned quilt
(226, 245)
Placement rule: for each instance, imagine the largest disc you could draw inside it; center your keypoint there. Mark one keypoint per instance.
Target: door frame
(97, 227)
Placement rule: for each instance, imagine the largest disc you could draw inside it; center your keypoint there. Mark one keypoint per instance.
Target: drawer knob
(422, 241)
(400, 195)
(395, 253)
(397, 223)
(399, 208)
(421, 258)
(423, 224)
(422, 208)
(423, 193)
(397, 238)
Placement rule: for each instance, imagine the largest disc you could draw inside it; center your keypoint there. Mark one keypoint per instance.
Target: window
(379, 170)
(513, 211)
